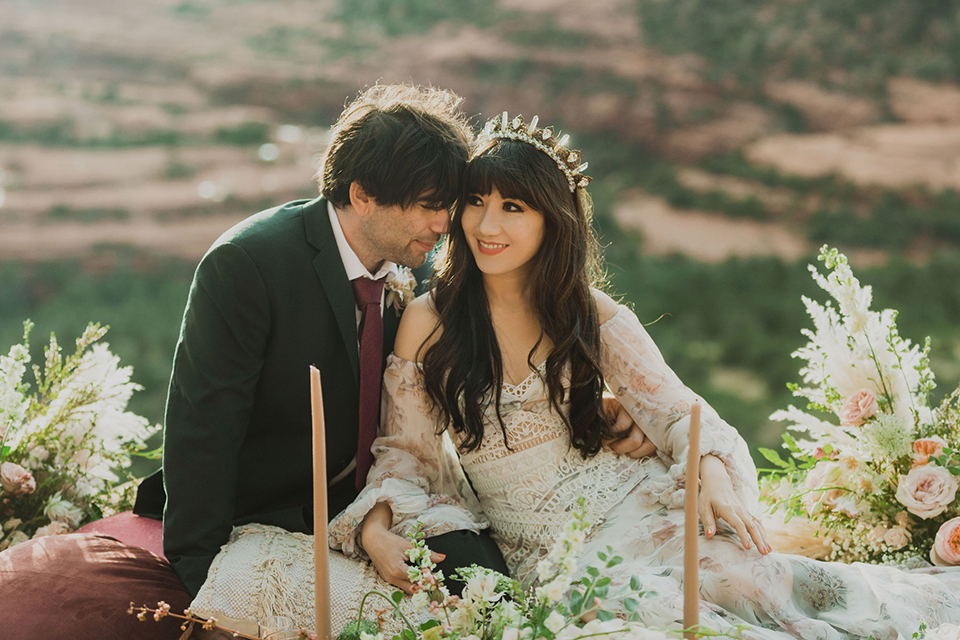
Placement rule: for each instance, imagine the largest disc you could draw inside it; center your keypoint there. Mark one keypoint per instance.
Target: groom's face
(405, 236)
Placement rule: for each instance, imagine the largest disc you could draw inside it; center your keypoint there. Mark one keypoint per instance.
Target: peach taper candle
(321, 550)
(691, 529)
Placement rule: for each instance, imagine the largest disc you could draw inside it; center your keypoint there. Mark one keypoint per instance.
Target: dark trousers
(465, 548)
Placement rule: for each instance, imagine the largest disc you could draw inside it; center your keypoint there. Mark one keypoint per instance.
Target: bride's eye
(474, 201)
(513, 207)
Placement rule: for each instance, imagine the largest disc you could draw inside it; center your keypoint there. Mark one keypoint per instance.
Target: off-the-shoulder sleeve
(660, 404)
(415, 471)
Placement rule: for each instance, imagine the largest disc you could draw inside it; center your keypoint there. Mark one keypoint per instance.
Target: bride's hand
(719, 500)
(387, 550)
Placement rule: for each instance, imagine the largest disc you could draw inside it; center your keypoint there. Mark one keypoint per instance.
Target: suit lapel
(333, 277)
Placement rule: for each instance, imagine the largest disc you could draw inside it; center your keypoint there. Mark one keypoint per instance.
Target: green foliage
(244, 134)
(176, 170)
(751, 40)
(407, 17)
(64, 213)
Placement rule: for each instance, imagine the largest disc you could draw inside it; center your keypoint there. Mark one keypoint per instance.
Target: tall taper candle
(691, 528)
(321, 550)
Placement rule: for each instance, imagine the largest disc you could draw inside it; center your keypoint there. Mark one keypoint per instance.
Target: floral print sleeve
(660, 404)
(415, 471)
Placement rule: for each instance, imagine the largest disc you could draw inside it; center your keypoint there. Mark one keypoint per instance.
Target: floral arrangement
(61, 446)
(875, 479)
(495, 607)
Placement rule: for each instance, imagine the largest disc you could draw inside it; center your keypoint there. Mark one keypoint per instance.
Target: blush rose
(927, 491)
(858, 408)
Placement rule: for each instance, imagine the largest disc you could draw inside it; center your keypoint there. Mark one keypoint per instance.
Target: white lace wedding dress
(526, 487)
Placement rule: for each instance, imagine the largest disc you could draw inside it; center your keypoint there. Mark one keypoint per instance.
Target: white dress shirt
(352, 264)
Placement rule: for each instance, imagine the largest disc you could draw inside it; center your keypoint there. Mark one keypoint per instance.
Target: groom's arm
(630, 440)
(216, 367)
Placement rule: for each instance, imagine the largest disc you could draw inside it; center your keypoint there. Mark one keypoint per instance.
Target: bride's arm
(415, 476)
(660, 403)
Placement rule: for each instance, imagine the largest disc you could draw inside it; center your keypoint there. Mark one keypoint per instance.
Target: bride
(509, 354)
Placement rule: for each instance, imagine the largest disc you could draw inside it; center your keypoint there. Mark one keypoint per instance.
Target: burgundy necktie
(368, 294)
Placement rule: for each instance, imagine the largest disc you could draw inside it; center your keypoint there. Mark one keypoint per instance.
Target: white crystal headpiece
(543, 139)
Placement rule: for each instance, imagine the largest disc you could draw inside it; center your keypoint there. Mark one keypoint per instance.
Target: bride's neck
(508, 291)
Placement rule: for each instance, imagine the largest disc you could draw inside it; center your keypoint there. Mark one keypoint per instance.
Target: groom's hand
(629, 439)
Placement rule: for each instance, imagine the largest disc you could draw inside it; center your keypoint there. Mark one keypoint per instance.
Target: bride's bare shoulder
(606, 306)
(417, 327)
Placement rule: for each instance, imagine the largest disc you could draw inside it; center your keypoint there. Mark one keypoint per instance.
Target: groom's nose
(440, 222)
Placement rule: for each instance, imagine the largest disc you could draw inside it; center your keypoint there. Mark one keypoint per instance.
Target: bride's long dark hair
(463, 368)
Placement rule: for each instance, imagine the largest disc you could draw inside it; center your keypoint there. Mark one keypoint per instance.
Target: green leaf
(635, 583)
(602, 582)
(396, 596)
(773, 457)
(631, 604)
(614, 561)
(602, 555)
(6, 450)
(593, 571)
(429, 624)
(604, 616)
(576, 603)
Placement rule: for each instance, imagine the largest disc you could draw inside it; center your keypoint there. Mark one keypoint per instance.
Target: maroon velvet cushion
(78, 587)
(131, 529)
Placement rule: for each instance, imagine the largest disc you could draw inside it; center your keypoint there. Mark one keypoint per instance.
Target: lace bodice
(524, 491)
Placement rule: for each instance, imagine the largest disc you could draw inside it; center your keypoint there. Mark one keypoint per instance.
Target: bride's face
(503, 234)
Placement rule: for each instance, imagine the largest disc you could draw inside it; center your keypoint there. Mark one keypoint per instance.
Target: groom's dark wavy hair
(463, 368)
(402, 143)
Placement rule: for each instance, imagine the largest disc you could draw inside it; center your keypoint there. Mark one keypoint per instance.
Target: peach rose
(923, 448)
(897, 537)
(946, 546)
(858, 408)
(927, 491)
(16, 480)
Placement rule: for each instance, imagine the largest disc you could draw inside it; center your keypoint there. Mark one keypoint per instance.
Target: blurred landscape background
(729, 139)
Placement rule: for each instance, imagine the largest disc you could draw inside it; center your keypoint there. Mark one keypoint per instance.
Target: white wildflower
(421, 600)
(887, 437)
(13, 539)
(12, 523)
(511, 633)
(52, 529)
(59, 509)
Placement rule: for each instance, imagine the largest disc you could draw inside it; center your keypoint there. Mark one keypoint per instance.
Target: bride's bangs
(511, 167)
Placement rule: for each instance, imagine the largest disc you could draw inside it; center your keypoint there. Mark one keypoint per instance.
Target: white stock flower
(482, 586)
(421, 600)
(59, 509)
(553, 591)
(555, 621)
(370, 636)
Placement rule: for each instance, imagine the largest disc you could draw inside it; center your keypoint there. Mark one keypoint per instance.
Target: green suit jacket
(269, 299)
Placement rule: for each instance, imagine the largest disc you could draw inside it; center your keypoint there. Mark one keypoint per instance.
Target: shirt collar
(351, 263)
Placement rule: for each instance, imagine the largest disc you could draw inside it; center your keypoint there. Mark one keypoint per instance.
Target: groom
(301, 285)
